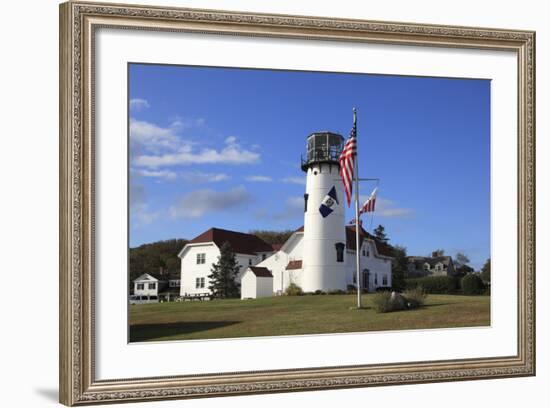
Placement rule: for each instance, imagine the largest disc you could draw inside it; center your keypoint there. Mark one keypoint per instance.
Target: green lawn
(289, 315)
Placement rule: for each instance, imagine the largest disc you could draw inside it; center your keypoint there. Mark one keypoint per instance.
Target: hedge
(435, 284)
(472, 285)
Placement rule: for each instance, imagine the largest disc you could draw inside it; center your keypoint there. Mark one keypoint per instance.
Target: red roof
(301, 229)
(294, 265)
(276, 247)
(381, 248)
(240, 242)
(260, 271)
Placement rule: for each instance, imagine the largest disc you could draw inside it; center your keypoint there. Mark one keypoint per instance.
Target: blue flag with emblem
(329, 202)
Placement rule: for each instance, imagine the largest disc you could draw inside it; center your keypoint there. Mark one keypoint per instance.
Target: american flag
(347, 163)
(370, 203)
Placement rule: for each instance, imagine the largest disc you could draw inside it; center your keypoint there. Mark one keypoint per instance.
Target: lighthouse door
(365, 283)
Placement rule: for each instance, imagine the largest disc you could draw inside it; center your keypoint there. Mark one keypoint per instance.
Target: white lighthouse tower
(323, 262)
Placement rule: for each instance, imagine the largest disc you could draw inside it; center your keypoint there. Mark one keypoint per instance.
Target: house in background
(154, 287)
(420, 266)
(198, 255)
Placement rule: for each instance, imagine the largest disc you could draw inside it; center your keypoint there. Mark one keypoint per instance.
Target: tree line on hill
(156, 257)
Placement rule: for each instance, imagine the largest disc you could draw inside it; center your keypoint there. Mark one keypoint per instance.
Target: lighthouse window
(306, 196)
(339, 251)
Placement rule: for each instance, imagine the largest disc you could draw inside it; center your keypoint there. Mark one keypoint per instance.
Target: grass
(291, 315)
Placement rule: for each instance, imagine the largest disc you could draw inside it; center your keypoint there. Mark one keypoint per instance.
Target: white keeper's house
(318, 256)
(198, 255)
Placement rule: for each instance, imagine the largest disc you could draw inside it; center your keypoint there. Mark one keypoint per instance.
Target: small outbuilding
(256, 282)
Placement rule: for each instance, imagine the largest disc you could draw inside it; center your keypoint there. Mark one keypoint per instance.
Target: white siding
(248, 285)
(321, 269)
(190, 270)
(276, 263)
(146, 291)
(377, 266)
(264, 287)
(253, 287)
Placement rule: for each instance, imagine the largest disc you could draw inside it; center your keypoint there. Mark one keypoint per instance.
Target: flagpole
(357, 243)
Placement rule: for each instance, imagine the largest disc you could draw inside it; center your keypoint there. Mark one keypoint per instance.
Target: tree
(438, 252)
(150, 258)
(223, 282)
(472, 284)
(399, 267)
(463, 270)
(272, 237)
(462, 259)
(380, 234)
(486, 271)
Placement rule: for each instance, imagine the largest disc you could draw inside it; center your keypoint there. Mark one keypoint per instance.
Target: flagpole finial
(354, 115)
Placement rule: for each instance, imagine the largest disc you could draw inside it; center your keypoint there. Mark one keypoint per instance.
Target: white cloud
(138, 104)
(295, 180)
(231, 140)
(388, 208)
(161, 174)
(151, 137)
(294, 208)
(197, 203)
(139, 209)
(141, 215)
(259, 179)
(137, 194)
(154, 146)
(229, 155)
(186, 123)
(200, 177)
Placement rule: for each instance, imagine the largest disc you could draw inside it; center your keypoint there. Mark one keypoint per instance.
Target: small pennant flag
(329, 202)
(370, 203)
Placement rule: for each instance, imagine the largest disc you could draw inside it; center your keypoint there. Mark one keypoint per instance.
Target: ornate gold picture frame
(79, 22)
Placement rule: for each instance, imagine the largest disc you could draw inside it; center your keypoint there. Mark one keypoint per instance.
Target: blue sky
(221, 147)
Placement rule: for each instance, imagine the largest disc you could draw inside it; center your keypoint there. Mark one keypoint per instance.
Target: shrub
(294, 290)
(351, 289)
(435, 284)
(336, 292)
(384, 302)
(415, 297)
(472, 284)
